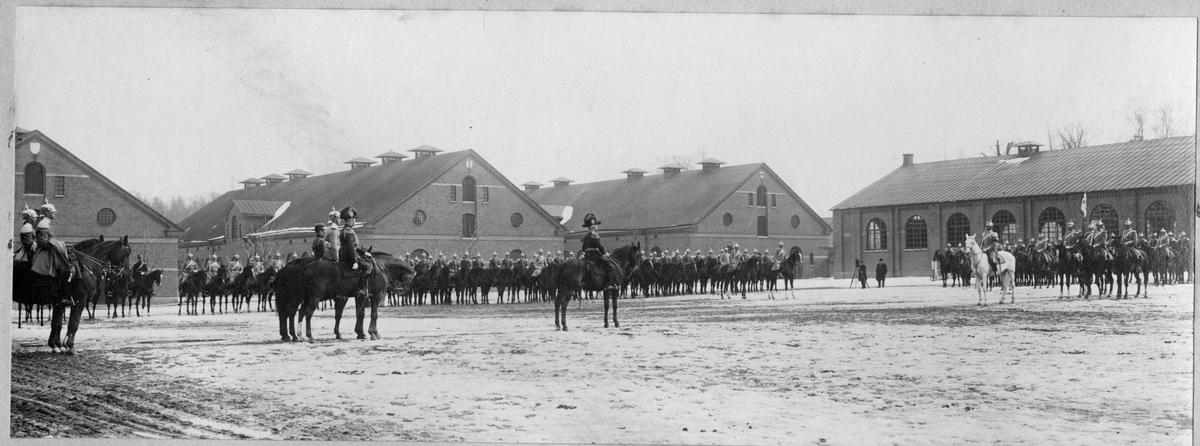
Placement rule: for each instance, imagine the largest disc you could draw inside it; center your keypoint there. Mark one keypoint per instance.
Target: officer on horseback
(25, 251)
(214, 266)
(990, 245)
(348, 253)
(235, 267)
(594, 251)
(189, 268)
(1130, 238)
(1099, 240)
(332, 237)
(319, 245)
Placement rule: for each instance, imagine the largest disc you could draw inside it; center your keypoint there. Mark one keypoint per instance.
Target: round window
(517, 219)
(419, 217)
(795, 221)
(106, 217)
(728, 220)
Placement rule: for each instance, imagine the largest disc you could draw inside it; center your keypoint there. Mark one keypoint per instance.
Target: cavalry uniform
(594, 251)
(990, 245)
(332, 238)
(1099, 241)
(28, 246)
(189, 268)
(1130, 238)
(1072, 236)
(348, 239)
(214, 267)
(320, 247)
(236, 267)
(50, 255)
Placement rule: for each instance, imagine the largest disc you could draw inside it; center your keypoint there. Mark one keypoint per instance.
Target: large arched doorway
(1005, 225)
(1159, 216)
(1052, 222)
(957, 228)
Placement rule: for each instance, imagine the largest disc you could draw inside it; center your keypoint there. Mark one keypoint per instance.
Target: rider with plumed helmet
(594, 250)
(235, 267)
(28, 245)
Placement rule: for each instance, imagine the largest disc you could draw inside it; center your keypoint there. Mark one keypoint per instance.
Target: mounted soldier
(24, 252)
(235, 266)
(214, 266)
(320, 247)
(189, 268)
(50, 256)
(1130, 237)
(140, 268)
(1099, 240)
(593, 251)
(1072, 236)
(990, 245)
(348, 251)
(332, 237)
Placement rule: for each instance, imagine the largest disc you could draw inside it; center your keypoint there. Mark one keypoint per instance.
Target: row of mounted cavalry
(1111, 268)
(304, 285)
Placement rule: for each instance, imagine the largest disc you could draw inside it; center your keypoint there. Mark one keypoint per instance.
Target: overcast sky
(184, 102)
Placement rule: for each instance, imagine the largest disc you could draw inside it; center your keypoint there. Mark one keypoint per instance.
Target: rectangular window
(485, 194)
(453, 193)
(773, 202)
(750, 199)
(60, 186)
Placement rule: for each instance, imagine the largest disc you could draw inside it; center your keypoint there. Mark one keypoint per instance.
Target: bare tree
(1166, 126)
(1073, 136)
(1137, 119)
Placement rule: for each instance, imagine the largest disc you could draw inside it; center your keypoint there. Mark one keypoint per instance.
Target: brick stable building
(89, 204)
(434, 203)
(703, 209)
(907, 215)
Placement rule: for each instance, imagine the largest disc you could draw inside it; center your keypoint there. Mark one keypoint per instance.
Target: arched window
(762, 196)
(468, 226)
(656, 251)
(1159, 216)
(876, 235)
(515, 254)
(419, 253)
(233, 228)
(468, 189)
(1108, 215)
(916, 233)
(957, 228)
(1005, 225)
(35, 178)
(762, 226)
(1052, 222)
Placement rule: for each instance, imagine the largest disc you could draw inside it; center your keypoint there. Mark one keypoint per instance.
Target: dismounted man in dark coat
(880, 272)
(862, 272)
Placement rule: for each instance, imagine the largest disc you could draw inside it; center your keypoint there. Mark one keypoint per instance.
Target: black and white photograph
(399, 223)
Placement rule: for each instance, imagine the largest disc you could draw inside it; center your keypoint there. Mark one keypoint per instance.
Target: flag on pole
(1083, 205)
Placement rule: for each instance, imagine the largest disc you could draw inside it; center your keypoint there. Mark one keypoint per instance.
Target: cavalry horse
(304, 283)
(787, 269)
(1128, 263)
(575, 275)
(91, 259)
(143, 289)
(982, 270)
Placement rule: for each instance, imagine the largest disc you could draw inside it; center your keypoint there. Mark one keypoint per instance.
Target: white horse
(983, 270)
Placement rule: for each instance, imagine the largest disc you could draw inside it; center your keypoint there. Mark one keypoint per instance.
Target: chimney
(561, 181)
(672, 168)
(424, 151)
(359, 163)
(391, 157)
(710, 164)
(532, 186)
(634, 173)
(274, 179)
(297, 175)
(907, 159)
(251, 182)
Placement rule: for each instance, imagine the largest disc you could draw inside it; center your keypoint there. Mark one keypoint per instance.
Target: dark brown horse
(323, 280)
(91, 258)
(575, 275)
(143, 289)
(787, 269)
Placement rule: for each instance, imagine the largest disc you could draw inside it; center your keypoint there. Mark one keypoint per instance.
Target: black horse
(143, 289)
(323, 280)
(91, 258)
(787, 269)
(575, 275)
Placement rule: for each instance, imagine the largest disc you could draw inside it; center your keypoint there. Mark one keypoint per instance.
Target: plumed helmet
(26, 228)
(1070, 224)
(989, 224)
(710, 251)
(46, 206)
(1181, 233)
(235, 257)
(1100, 223)
(189, 255)
(1162, 230)
(735, 246)
(348, 212)
(780, 244)
(494, 254)
(333, 213)
(1128, 222)
(590, 220)
(29, 214)
(214, 255)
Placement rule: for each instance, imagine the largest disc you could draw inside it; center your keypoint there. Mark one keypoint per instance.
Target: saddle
(55, 261)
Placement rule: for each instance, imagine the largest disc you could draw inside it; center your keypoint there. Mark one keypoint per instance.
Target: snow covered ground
(913, 363)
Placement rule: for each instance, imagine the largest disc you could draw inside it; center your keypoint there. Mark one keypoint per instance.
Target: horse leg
(56, 324)
(72, 327)
(373, 330)
(339, 305)
(360, 309)
(557, 304)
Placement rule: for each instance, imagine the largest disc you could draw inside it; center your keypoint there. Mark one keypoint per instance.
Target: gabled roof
(374, 192)
(655, 201)
(169, 225)
(1126, 165)
(256, 207)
